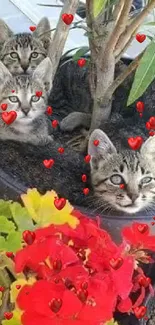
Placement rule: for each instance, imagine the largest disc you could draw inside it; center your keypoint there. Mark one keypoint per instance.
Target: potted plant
(57, 264)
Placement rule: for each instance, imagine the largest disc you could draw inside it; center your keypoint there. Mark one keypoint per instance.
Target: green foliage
(21, 217)
(5, 225)
(111, 322)
(80, 53)
(98, 6)
(144, 75)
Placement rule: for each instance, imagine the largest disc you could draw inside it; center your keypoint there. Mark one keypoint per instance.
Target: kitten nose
(133, 196)
(24, 67)
(25, 110)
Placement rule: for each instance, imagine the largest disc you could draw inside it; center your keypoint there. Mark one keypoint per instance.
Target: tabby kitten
(31, 124)
(122, 179)
(23, 52)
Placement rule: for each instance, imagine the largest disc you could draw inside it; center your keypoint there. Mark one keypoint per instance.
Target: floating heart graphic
(61, 150)
(48, 163)
(140, 107)
(86, 191)
(18, 286)
(143, 228)
(4, 107)
(55, 304)
(122, 186)
(144, 281)
(9, 117)
(81, 62)
(49, 110)
(96, 142)
(13, 91)
(84, 178)
(29, 237)
(116, 263)
(151, 133)
(8, 315)
(135, 143)
(67, 18)
(140, 38)
(87, 158)
(59, 203)
(152, 223)
(9, 254)
(32, 28)
(55, 123)
(2, 289)
(140, 311)
(140, 114)
(152, 122)
(39, 93)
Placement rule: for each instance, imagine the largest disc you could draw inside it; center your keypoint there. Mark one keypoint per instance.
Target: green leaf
(98, 6)
(144, 75)
(80, 53)
(6, 226)
(21, 217)
(2, 244)
(5, 208)
(14, 241)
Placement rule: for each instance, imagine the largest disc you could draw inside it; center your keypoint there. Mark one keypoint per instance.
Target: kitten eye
(117, 179)
(14, 55)
(13, 99)
(146, 180)
(34, 55)
(35, 99)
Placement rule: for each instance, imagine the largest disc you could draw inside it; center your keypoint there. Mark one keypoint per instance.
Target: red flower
(138, 238)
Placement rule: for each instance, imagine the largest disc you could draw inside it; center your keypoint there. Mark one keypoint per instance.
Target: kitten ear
(43, 32)
(104, 148)
(148, 148)
(44, 72)
(4, 73)
(5, 31)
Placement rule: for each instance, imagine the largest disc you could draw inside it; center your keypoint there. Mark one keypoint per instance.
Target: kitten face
(24, 101)
(136, 171)
(22, 53)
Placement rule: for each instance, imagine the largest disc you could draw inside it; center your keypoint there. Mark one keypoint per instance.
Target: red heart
(9, 254)
(81, 62)
(4, 107)
(49, 110)
(60, 203)
(13, 91)
(32, 28)
(87, 158)
(96, 142)
(116, 263)
(67, 18)
(140, 38)
(55, 123)
(151, 133)
(84, 178)
(152, 122)
(61, 150)
(143, 228)
(39, 93)
(144, 281)
(29, 237)
(48, 163)
(8, 315)
(152, 223)
(55, 304)
(9, 117)
(135, 143)
(2, 289)
(140, 311)
(140, 107)
(122, 186)
(86, 191)
(18, 286)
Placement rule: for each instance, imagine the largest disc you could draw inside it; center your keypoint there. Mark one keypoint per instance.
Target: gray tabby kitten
(23, 52)
(31, 124)
(113, 165)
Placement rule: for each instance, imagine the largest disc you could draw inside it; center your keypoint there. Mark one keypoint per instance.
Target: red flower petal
(125, 306)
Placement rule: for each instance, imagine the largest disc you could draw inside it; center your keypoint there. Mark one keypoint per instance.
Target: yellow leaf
(43, 211)
(1, 295)
(15, 291)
